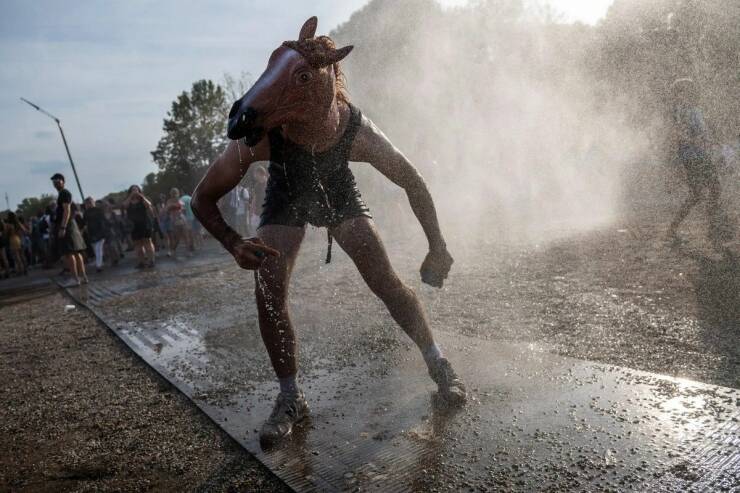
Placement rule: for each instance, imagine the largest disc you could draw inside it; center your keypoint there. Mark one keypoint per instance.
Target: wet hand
(250, 253)
(436, 267)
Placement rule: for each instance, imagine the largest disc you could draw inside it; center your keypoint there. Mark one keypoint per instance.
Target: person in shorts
(140, 212)
(69, 239)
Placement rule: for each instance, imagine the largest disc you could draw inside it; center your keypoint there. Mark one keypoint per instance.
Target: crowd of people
(101, 232)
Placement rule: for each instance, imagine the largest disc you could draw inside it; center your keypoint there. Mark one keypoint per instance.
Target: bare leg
(149, 252)
(683, 211)
(271, 289)
(720, 227)
(20, 264)
(359, 238)
(166, 242)
(175, 240)
(139, 249)
(80, 261)
(170, 242)
(71, 261)
(4, 263)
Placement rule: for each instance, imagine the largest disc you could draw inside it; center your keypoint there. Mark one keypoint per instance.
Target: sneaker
(450, 388)
(289, 409)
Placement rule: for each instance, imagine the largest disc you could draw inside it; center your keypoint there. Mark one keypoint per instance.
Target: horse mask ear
(308, 30)
(337, 55)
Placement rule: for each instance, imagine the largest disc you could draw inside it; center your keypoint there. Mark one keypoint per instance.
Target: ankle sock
(288, 385)
(431, 354)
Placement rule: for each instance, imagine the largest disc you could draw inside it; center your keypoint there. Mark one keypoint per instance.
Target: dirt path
(81, 413)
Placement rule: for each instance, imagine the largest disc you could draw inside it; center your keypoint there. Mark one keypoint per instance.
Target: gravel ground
(617, 296)
(82, 413)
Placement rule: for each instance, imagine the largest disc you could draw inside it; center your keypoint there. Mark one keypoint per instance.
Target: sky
(110, 71)
(586, 11)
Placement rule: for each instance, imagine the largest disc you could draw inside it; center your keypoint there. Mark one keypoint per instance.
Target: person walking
(180, 230)
(26, 241)
(692, 144)
(112, 248)
(140, 211)
(193, 225)
(164, 222)
(45, 227)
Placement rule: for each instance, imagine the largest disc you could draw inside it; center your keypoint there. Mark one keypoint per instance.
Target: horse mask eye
(304, 77)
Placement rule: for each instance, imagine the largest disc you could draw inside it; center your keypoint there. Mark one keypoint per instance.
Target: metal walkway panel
(536, 421)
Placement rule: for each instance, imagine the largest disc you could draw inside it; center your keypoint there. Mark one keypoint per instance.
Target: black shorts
(141, 231)
(280, 210)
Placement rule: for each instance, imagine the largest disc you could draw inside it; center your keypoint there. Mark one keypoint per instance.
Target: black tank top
(314, 187)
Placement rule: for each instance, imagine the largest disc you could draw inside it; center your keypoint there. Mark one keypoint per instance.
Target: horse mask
(298, 86)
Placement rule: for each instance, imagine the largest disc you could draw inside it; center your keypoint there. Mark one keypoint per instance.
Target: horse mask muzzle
(242, 119)
(251, 114)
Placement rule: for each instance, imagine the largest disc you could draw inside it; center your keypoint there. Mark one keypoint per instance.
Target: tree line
(454, 86)
(193, 135)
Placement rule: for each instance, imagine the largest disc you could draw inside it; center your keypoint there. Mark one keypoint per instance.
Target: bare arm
(222, 176)
(66, 217)
(147, 203)
(372, 146)
(66, 214)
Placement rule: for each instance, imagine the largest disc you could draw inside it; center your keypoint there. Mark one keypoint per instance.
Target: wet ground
(81, 412)
(507, 316)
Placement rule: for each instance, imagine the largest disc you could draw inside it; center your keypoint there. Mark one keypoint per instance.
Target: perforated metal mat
(535, 422)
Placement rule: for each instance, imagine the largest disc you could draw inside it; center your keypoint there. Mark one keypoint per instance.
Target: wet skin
(273, 253)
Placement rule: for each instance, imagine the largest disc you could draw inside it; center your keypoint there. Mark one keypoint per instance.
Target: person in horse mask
(298, 117)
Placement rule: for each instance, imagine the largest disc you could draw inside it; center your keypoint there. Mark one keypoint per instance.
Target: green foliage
(194, 135)
(160, 183)
(30, 206)
(116, 197)
(235, 88)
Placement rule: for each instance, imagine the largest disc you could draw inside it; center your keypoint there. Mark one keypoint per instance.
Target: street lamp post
(64, 139)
